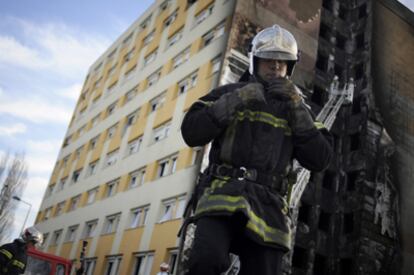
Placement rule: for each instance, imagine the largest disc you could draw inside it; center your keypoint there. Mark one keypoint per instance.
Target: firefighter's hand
(224, 108)
(286, 90)
(251, 93)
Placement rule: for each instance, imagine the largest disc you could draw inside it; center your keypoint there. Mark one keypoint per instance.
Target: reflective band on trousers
(265, 118)
(7, 253)
(256, 224)
(18, 264)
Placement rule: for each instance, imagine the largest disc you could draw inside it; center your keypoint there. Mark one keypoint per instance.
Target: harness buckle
(242, 168)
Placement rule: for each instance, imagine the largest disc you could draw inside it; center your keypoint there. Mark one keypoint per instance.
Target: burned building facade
(349, 218)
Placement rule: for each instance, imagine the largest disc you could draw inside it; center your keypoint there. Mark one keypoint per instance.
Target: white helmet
(274, 43)
(32, 234)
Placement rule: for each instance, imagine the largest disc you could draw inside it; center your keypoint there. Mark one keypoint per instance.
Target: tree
(13, 180)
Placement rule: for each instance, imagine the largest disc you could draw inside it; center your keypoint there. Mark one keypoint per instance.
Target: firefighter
(164, 268)
(257, 127)
(13, 256)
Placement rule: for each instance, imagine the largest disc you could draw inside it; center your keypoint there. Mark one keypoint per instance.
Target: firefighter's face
(270, 69)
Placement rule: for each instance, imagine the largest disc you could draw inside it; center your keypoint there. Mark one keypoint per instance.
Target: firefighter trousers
(216, 236)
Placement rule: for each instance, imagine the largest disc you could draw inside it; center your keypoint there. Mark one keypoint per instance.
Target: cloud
(71, 92)
(12, 130)
(41, 165)
(44, 147)
(52, 46)
(36, 110)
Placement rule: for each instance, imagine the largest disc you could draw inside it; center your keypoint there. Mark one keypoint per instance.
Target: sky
(46, 48)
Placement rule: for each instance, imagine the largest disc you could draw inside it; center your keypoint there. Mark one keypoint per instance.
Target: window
(213, 34)
(89, 229)
(181, 58)
(61, 185)
(98, 68)
(138, 216)
(136, 178)
(148, 38)
(49, 190)
(175, 38)
(78, 152)
(111, 158)
(164, 5)
(112, 69)
(56, 237)
(197, 156)
(92, 168)
(131, 94)
(59, 208)
(74, 202)
(81, 130)
(93, 142)
(172, 208)
(111, 89)
(172, 261)
(111, 131)
(129, 74)
(149, 58)
(111, 223)
(90, 266)
(131, 118)
(45, 239)
(154, 77)
(161, 132)
(111, 55)
(47, 213)
(92, 195)
(112, 265)
(111, 108)
(187, 83)
(157, 102)
(111, 188)
(128, 39)
(75, 176)
(201, 16)
(98, 83)
(143, 263)
(65, 161)
(128, 56)
(95, 121)
(133, 146)
(215, 64)
(167, 166)
(71, 233)
(145, 22)
(170, 19)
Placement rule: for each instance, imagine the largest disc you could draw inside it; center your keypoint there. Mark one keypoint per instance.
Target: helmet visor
(276, 55)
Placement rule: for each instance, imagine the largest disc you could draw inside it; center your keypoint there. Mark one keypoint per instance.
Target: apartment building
(123, 174)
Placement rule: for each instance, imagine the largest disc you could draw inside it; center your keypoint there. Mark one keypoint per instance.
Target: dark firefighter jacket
(13, 258)
(258, 138)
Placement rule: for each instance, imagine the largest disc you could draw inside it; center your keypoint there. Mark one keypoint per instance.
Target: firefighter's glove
(300, 119)
(285, 90)
(251, 93)
(224, 108)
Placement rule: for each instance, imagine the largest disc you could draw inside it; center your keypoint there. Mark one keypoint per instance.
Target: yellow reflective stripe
(18, 264)
(6, 253)
(256, 224)
(265, 118)
(319, 125)
(208, 103)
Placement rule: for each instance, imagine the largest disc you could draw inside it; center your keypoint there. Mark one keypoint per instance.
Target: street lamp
(27, 215)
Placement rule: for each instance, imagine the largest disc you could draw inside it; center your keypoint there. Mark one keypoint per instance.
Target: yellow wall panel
(67, 206)
(83, 199)
(167, 68)
(103, 249)
(164, 236)
(138, 127)
(184, 158)
(129, 244)
(81, 161)
(101, 192)
(106, 68)
(151, 171)
(69, 165)
(52, 249)
(203, 85)
(165, 113)
(178, 23)
(117, 137)
(201, 5)
(123, 183)
(195, 47)
(65, 250)
(96, 154)
(159, 27)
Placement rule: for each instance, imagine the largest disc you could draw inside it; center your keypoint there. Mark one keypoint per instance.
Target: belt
(275, 182)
